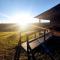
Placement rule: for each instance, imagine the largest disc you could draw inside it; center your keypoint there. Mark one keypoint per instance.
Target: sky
(10, 8)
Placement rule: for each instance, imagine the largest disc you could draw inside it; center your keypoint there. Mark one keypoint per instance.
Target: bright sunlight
(21, 20)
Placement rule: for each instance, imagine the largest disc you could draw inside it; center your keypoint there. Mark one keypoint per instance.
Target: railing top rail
(38, 37)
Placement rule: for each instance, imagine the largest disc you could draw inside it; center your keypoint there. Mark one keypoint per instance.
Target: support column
(29, 50)
(44, 35)
(18, 49)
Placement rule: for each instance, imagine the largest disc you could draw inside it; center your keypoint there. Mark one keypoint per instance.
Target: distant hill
(8, 27)
(14, 27)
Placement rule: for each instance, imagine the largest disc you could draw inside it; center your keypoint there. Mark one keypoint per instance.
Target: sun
(21, 19)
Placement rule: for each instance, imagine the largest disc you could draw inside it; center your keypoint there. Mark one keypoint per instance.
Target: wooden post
(35, 35)
(18, 49)
(29, 50)
(39, 33)
(44, 34)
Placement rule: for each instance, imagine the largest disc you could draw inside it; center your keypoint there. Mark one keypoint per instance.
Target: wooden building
(53, 15)
(53, 42)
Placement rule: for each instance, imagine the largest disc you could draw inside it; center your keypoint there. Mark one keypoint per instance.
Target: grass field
(9, 40)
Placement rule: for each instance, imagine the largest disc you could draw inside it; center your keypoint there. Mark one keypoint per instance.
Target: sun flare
(23, 20)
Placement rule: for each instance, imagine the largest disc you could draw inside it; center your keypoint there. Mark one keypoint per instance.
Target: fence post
(44, 35)
(39, 33)
(35, 35)
(18, 49)
(29, 50)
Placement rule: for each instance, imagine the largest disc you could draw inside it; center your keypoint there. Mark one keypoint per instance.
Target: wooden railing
(27, 44)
